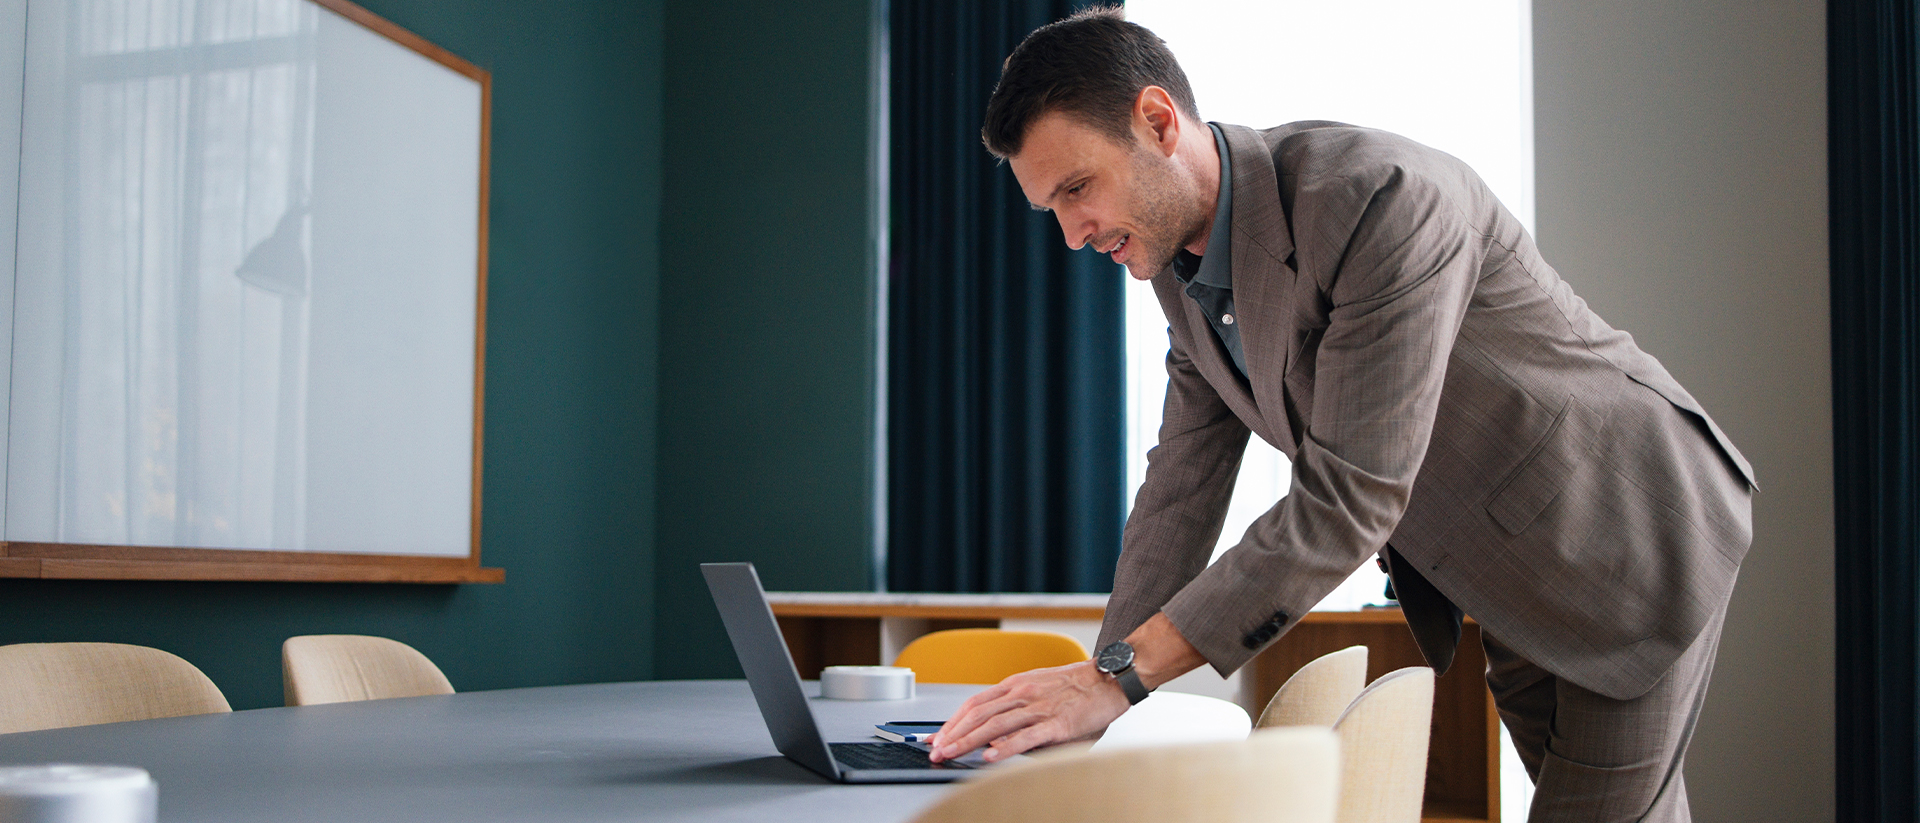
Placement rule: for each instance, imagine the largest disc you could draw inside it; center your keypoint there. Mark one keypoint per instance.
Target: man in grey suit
(1367, 306)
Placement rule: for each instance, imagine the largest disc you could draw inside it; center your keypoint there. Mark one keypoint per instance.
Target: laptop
(776, 687)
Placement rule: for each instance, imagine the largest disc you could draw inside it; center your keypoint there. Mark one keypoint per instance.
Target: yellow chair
(1383, 748)
(1275, 776)
(985, 655)
(57, 685)
(1319, 692)
(337, 668)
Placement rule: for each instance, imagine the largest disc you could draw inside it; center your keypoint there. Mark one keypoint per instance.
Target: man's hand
(1048, 706)
(1031, 709)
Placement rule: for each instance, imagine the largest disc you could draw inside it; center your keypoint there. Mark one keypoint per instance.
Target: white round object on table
(866, 683)
(71, 793)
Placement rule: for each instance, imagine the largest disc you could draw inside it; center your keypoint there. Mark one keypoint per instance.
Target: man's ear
(1156, 121)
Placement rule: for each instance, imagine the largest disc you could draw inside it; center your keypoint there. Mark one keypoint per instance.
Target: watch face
(1115, 657)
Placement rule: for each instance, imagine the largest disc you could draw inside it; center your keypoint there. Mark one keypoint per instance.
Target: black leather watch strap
(1135, 690)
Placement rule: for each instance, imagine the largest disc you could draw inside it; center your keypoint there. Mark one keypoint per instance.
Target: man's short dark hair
(1090, 66)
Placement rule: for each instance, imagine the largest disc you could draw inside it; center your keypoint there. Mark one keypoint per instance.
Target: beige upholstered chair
(337, 668)
(1274, 776)
(986, 656)
(56, 685)
(1317, 693)
(1383, 748)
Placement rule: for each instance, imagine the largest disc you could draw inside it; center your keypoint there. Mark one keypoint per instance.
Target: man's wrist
(1115, 660)
(1161, 653)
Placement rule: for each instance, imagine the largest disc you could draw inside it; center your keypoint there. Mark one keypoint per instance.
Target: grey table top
(655, 751)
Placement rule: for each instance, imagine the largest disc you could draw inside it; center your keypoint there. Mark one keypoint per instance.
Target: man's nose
(1076, 236)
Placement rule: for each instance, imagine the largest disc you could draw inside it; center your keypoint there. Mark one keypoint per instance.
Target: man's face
(1130, 204)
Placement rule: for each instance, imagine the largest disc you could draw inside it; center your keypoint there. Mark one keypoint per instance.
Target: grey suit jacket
(1438, 387)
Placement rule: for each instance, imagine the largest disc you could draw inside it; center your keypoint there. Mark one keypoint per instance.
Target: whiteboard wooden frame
(111, 562)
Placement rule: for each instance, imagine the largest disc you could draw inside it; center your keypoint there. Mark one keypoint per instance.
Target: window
(1456, 76)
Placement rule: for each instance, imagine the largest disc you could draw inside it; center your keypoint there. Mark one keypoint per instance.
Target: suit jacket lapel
(1263, 283)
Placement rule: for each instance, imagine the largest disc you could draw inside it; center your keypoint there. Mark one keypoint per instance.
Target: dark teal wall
(571, 398)
(765, 321)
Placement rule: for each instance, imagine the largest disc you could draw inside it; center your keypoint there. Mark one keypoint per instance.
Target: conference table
(674, 750)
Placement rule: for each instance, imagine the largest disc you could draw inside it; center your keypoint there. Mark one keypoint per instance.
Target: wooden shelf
(939, 606)
(1463, 763)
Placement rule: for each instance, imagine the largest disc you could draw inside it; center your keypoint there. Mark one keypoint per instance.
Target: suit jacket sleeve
(1395, 258)
(1177, 514)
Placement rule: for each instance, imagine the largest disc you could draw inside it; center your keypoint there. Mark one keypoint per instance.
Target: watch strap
(1130, 684)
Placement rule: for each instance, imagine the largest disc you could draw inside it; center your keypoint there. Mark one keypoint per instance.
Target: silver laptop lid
(769, 668)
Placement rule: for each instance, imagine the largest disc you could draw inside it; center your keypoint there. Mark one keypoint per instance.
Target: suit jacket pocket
(1543, 475)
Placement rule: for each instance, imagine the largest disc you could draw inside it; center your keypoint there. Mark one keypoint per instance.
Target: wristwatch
(1117, 660)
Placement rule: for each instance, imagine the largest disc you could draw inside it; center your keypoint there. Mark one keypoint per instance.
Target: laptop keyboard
(866, 756)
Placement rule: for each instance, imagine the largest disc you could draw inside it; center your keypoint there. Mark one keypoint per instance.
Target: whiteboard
(248, 280)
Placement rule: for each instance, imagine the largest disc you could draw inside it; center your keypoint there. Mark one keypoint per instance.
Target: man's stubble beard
(1164, 214)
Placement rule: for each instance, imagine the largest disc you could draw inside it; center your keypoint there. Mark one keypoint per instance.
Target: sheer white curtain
(184, 259)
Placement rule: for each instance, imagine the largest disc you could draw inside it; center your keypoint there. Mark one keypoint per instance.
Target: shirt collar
(1216, 267)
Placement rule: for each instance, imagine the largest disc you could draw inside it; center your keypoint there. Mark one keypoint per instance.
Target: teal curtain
(1874, 168)
(1006, 469)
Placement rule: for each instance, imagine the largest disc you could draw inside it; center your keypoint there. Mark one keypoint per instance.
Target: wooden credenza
(1463, 763)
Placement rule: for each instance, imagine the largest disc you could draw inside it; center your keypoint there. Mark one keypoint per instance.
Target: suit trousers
(1593, 758)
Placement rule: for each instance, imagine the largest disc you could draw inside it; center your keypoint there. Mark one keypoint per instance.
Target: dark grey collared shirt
(1209, 278)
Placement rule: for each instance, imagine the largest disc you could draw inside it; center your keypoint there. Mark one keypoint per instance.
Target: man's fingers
(965, 720)
(994, 728)
(973, 731)
(1028, 710)
(1028, 699)
(972, 704)
(1022, 740)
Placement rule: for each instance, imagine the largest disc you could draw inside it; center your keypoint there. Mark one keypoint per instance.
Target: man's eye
(1077, 189)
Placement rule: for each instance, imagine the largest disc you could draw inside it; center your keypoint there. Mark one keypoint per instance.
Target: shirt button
(1226, 319)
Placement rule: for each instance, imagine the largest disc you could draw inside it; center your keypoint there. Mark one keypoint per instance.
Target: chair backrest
(1383, 746)
(1172, 717)
(56, 685)
(1274, 776)
(1318, 693)
(986, 655)
(337, 668)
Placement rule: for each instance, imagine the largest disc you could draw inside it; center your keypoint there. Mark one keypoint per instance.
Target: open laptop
(776, 687)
